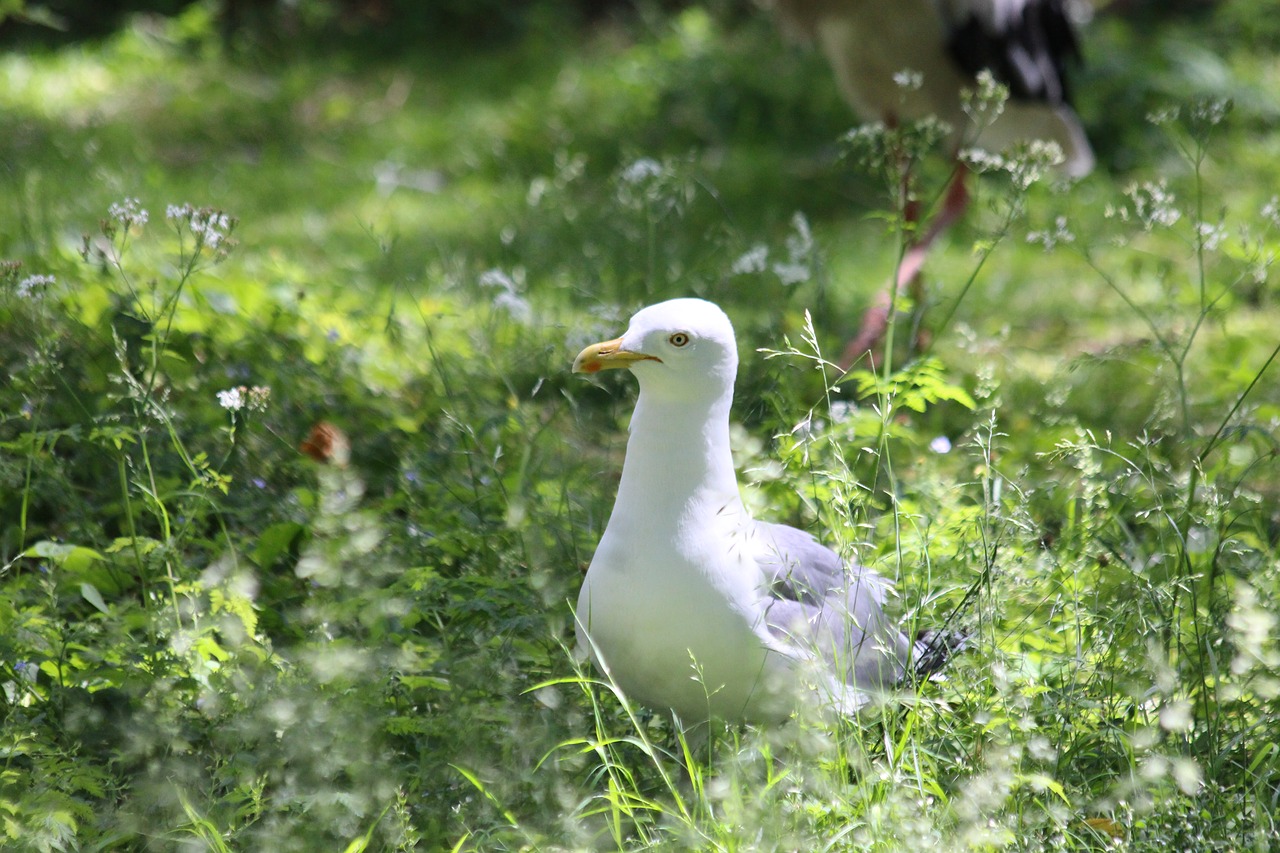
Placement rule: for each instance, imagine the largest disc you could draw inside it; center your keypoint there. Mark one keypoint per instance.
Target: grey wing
(795, 564)
(1025, 44)
(837, 612)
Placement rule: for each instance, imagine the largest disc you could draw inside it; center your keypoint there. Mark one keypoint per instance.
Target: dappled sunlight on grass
(208, 636)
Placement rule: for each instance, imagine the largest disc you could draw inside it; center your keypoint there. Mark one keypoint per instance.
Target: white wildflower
(1153, 205)
(985, 104)
(1271, 212)
(980, 160)
(1051, 238)
(800, 240)
(514, 304)
(33, 284)
(497, 280)
(1211, 234)
(641, 170)
(1175, 716)
(791, 273)
(508, 296)
(210, 227)
(1254, 627)
(259, 396)
(753, 260)
(1211, 112)
(232, 399)
(908, 79)
(128, 213)
(799, 249)
(1187, 775)
(940, 445)
(1034, 162)
(538, 189)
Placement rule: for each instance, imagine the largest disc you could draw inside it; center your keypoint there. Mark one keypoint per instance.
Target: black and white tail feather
(932, 650)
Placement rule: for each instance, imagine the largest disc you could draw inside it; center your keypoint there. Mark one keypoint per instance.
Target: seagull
(874, 46)
(691, 604)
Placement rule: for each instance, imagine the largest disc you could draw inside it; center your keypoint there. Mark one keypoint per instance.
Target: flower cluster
(34, 284)
(984, 104)
(1050, 238)
(1153, 205)
(1211, 234)
(879, 148)
(798, 266)
(210, 227)
(1026, 163)
(128, 213)
(908, 79)
(647, 185)
(241, 397)
(507, 296)
(754, 260)
(1271, 212)
(641, 170)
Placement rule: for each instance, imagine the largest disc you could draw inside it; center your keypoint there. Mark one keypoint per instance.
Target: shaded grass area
(212, 640)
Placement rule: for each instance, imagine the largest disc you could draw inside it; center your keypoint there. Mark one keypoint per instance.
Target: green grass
(210, 641)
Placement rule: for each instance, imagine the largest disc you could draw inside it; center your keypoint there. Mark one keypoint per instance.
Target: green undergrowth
(296, 488)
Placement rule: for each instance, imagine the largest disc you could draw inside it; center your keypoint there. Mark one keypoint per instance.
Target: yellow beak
(608, 355)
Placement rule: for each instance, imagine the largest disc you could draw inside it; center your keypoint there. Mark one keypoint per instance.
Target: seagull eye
(679, 339)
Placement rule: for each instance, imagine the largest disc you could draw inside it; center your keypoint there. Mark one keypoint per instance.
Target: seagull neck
(678, 452)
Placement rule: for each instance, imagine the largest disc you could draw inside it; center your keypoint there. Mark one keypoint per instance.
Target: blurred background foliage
(210, 641)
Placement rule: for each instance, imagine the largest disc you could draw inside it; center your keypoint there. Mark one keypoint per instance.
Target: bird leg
(907, 282)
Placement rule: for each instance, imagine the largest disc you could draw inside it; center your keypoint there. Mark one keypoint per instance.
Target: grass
(212, 641)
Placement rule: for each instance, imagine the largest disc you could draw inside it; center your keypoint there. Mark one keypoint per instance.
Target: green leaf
(73, 558)
(275, 542)
(91, 595)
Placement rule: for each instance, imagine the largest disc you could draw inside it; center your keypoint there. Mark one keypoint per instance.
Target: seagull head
(681, 348)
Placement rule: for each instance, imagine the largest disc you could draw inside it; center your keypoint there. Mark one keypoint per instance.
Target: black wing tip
(934, 648)
(1030, 57)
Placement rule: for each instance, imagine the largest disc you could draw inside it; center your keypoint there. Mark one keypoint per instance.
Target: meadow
(222, 629)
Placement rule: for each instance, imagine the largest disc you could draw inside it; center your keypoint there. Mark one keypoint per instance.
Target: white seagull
(1024, 44)
(691, 604)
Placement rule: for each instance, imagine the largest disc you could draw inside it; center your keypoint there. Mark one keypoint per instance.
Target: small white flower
(232, 399)
(1050, 239)
(909, 79)
(498, 280)
(641, 170)
(941, 444)
(210, 227)
(751, 261)
(799, 252)
(791, 273)
(508, 296)
(514, 304)
(980, 160)
(259, 395)
(1211, 234)
(33, 284)
(1153, 205)
(800, 240)
(128, 213)
(1271, 211)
